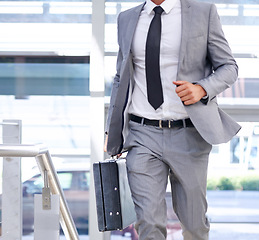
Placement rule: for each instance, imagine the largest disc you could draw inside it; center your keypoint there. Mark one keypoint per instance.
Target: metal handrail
(44, 161)
(9, 123)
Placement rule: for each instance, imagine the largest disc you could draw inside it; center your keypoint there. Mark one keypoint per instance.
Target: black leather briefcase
(115, 208)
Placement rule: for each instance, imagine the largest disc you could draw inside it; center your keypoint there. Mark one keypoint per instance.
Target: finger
(186, 98)
(180, 88)
(189, 99)
(179, 82)
(184, 91)
(188, 102)
(105, 144)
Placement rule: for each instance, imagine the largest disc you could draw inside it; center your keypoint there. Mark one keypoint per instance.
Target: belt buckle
(160, 124)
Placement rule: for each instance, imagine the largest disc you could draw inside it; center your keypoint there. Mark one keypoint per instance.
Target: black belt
(162, 123)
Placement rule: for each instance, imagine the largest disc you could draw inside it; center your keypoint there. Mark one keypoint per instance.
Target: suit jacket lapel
(186, 23)
(130, 30)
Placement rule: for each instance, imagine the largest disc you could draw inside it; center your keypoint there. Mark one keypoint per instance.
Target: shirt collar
(167, 5)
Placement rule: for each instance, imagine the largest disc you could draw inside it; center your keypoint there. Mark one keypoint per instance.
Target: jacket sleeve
(225, 69)
(116, 83)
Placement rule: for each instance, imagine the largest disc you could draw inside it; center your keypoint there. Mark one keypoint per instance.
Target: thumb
(179, 82)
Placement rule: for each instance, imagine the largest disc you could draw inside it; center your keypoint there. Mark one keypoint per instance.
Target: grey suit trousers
(154, 154)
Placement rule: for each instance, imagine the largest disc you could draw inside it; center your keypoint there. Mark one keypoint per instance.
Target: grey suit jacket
(205, 58)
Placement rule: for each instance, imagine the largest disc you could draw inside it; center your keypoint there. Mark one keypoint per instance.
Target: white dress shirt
(172, 108)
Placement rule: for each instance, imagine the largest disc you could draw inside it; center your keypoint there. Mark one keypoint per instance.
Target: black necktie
(154, 85)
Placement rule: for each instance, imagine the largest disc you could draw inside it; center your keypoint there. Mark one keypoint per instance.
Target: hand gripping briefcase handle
(115, 208)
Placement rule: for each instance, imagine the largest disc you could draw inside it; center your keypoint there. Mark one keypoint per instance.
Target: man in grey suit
(169, 130)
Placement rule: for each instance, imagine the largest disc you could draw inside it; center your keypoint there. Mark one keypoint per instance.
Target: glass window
(23, 76)
(32, 186)
(84, 181)
(65, 179)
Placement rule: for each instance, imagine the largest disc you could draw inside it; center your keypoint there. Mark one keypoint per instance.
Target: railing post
(12, 184)
(96, 107)
(43, 158)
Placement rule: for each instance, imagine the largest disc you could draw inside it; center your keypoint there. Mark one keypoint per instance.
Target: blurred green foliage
(246, 183)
